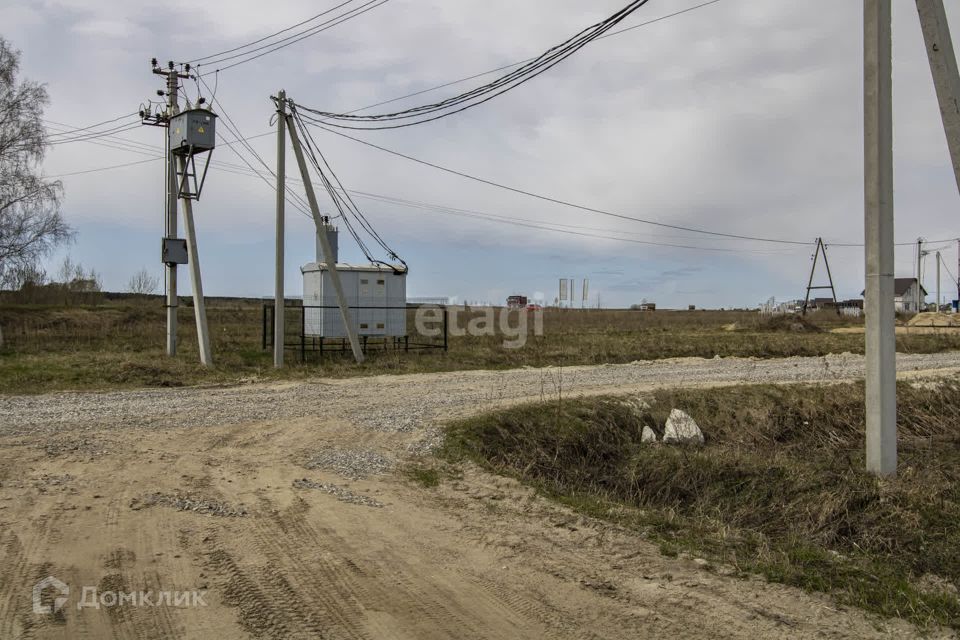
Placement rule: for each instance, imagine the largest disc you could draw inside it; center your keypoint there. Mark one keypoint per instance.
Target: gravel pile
(183, 503)
(340, 493)
(354, 464)
(404, 403)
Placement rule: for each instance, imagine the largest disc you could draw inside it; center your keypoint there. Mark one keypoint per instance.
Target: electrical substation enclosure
(193, 131)
(376, 295)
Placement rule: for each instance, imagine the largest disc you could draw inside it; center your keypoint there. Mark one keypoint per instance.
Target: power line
(520, 62)
(503, 67)
(333, 22)
(272, 35)
(342, 200)
(559, 201)
(93, 126)
(912, 243)
(484, 93)
(95, 135)
(116, 166)
(232, 127)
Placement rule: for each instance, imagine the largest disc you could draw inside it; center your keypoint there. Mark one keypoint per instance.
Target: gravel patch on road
(340, 493)
(407, 403)
(184, 503)
(354, 464)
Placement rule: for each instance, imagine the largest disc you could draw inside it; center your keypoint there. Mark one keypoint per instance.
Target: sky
(741, 117)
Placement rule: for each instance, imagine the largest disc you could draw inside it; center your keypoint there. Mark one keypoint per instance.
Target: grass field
(120, 344)
(778, 490)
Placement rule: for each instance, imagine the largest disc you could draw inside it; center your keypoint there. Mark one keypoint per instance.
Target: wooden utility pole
(279, 320)
(881, 365)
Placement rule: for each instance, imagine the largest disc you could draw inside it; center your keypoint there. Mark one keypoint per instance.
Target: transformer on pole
(189, 133)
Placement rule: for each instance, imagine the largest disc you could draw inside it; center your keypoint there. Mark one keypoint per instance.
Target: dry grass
(779, 489)
(120, 344)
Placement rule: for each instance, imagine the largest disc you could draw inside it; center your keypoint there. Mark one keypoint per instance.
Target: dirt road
(278, 511)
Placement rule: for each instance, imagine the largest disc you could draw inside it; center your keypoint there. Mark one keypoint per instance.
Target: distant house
(905, 295)
(821, 304)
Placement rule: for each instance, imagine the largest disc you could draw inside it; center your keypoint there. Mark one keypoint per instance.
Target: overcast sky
(743, 117)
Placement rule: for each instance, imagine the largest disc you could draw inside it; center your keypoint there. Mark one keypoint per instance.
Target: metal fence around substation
(308, 344)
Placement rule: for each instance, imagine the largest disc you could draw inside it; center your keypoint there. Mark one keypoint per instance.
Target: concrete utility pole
(943, 67)
(881, 365)
(916, 294)
(196, 283)
(938, 282)
(279, 299)
(324, 242)
(170, 205)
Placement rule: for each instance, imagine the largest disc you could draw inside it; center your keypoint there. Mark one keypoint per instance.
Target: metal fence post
(264, 323)
(446, 327)
(303, 334)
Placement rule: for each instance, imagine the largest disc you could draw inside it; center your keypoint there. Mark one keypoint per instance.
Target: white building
(376, 295)
(905, 295)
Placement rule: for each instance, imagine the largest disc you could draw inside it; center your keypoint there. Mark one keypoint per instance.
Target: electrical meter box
(174, 251)
(193, 132)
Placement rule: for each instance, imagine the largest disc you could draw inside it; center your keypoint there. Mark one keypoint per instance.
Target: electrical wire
(484, 93)
(94, 126)
(272, 35)
(273, 47)
(342, 200)
(503, 67)
(95, 135)
(520, 62)
(563, 202)
(98, 169)
(949, 272)
(232, 127)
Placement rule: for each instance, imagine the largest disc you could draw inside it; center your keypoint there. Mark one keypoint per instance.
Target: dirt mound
(931, 319)
(795, 324)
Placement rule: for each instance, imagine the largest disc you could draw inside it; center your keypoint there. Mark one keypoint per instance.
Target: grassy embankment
(120, 344)
(778, 490)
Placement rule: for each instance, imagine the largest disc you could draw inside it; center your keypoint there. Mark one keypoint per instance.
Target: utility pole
(179, 161)
(199, 306)
(821, 248)
(173, 78)
(943, 67)
(919, 284)
(881, 365)
(279, 299)
(938, 282)
(324, 242)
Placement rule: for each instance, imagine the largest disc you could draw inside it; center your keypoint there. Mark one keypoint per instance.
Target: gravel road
(283, 504)
(405, 403)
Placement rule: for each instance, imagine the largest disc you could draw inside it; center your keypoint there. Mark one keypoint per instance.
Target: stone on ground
(681, 428)
(648, 435)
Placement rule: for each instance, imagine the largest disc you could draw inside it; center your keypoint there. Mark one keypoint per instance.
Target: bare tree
(143, 283)
(30, 221)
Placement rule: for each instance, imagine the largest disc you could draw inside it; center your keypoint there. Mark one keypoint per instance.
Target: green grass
(778, 490)
(119, 344)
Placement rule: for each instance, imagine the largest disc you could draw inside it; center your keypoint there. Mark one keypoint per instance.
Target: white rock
(681, 428)
(648, 435)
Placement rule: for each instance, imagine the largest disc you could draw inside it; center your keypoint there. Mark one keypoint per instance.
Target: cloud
(742, 117)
